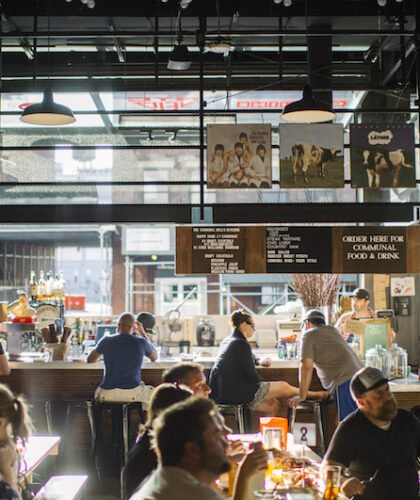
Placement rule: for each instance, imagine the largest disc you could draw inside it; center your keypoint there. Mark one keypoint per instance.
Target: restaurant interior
(102, 191)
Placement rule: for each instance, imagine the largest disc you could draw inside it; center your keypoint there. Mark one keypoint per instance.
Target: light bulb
(381, 3)
(278, 2)
(84, 1)
(399, 1)
(91, 4)
(287, 3)
(68, 1)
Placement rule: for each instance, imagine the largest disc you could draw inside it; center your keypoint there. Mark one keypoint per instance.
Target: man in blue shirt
(123, 356)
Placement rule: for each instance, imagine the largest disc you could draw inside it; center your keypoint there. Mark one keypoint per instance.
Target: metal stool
(315, 406)
(47, 405)
(241, 412)
(120, 423)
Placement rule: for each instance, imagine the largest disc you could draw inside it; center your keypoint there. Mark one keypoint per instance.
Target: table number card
(305, 433)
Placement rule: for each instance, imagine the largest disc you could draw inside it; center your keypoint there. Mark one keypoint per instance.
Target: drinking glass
(265, 494)
(331, 476)
(270, 465)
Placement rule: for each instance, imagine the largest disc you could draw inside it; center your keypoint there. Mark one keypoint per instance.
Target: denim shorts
(259, 396)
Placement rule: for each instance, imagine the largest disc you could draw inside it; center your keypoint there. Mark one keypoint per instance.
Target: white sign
(304, 433)
(146, 240)
(403, 286)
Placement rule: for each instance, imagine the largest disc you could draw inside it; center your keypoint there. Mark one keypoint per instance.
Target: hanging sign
(373, 249)
(298, 249)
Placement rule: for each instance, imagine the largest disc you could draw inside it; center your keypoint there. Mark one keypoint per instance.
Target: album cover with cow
(382, 155)
(311, 156)
(239, 156)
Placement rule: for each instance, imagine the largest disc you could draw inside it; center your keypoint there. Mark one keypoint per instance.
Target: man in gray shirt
(334, 360)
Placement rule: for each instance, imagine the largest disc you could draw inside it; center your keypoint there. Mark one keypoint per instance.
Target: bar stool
(240, 412)
(120, 427)
(46, 407)
(315, 406)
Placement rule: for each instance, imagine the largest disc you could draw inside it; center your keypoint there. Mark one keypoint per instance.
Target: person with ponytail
(15, 428)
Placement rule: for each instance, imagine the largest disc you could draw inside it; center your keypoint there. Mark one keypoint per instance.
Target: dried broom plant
(316, 289)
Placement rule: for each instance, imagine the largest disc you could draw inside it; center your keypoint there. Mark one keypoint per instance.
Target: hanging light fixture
(308, 109)
(47, 112)
(180, 59)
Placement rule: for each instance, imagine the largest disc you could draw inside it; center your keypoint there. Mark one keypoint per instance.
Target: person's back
(123, 357)
(233, 378)
(334, 360)
(141, 461)
(174, 483)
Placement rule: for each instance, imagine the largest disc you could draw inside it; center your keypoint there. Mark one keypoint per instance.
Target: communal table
(37, 449)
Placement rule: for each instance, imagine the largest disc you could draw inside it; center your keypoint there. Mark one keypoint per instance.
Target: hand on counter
(265, 362)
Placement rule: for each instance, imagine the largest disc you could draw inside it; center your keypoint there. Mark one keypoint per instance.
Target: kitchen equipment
(398, 367)
(379, 357)
(205, 332)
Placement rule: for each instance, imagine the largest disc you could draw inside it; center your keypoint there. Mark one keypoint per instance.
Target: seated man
(191, 448)
(378, 444)
(123, 356)
(189, 374)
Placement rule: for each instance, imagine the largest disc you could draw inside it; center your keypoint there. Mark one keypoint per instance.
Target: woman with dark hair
(234, 378)
(141, 458)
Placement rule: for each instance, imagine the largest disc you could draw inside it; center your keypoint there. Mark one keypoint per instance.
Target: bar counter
(61, 381)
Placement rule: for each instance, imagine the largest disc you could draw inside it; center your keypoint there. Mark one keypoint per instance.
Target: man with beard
(191, 447)
(378, 444)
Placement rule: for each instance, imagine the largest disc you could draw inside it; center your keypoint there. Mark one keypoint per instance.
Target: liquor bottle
(33, 288)
(42, 292)
(49, 284)
(56, 292)
(76, 329)
(62, 285)
(82, 332)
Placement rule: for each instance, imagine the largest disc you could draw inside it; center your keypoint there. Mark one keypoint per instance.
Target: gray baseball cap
(366, 379)
(314, 314)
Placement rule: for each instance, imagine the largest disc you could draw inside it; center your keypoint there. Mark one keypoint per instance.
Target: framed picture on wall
(382, 155)
(311, 156)
(239, 156)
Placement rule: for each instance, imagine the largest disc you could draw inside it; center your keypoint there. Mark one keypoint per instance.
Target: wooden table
(62, 487)
(37, 449)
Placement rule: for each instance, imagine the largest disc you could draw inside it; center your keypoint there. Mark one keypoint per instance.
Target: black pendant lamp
(47, 112)
(308, 109)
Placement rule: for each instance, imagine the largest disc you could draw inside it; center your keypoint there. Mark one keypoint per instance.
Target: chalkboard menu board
(294, 249)
(298, 249)
(218, 250)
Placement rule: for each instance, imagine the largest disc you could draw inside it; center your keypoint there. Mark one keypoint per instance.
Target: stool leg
(318, 420)
(240, 417)
(291, 417)
(125, 420)
(48, 415)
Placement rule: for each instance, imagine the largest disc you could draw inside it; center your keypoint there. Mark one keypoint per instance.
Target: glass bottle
(42, 292)
(49, 285)
(33, 288)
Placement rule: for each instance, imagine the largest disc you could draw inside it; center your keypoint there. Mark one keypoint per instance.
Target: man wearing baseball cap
(334, 360)
(360, 300)
(378, 444)
(145, 325)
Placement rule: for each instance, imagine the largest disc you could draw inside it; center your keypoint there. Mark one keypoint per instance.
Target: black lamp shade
(47, 112)
(180, 59)
(308, 109)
